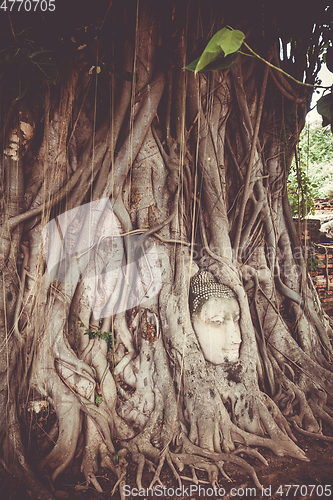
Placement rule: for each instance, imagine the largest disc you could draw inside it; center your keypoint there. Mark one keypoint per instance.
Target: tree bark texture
(194, 168)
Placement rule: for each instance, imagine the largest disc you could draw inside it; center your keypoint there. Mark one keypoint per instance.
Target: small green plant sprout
(107, 336)
(98, 400)
(313, 262)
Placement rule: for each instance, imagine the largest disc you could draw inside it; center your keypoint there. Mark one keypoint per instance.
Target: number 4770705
(28, 5)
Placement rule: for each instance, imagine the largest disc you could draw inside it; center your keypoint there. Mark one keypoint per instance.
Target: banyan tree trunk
(111, 203)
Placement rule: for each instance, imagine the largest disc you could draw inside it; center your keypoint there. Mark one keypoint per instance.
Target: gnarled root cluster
(107, 242)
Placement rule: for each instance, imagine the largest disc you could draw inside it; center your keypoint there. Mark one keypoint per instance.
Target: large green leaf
(231, 41)
(224, 42)
(211, 52)
(221, 62)
(193, 64)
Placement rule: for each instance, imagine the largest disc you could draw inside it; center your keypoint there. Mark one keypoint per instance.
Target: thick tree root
(313, 435)
(68, 413)
(14, 454)
(289, 396)
(251, 452)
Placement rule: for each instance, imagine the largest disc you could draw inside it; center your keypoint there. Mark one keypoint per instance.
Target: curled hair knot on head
(204, 286)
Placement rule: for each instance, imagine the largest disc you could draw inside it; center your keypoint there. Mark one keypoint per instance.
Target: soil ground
(308, 480)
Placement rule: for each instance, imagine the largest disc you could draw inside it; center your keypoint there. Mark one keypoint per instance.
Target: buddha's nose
(234, 335)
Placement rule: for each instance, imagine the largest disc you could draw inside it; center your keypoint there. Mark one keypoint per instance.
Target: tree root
(68, 413)
(314, 435)
(191, 455)
(319, 412)
(121, 474)
(251, 452)
(89, 464)
(288, 396)
(14, 454)
(194, 479)
(156, 477)
(172, 467)
(278, 417)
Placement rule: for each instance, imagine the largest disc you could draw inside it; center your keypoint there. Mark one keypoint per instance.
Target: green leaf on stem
(225, 42)
(220, 62)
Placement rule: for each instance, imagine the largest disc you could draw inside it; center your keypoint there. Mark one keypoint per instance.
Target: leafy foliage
(313, 262)
(220, 52)
(107, 336)
(301, 192)
(315, 170)
(98, 400)
(318, 144)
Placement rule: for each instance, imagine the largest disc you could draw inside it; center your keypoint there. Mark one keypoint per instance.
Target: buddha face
(216, 325)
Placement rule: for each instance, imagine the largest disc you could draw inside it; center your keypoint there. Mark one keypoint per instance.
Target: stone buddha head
(215, 315)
